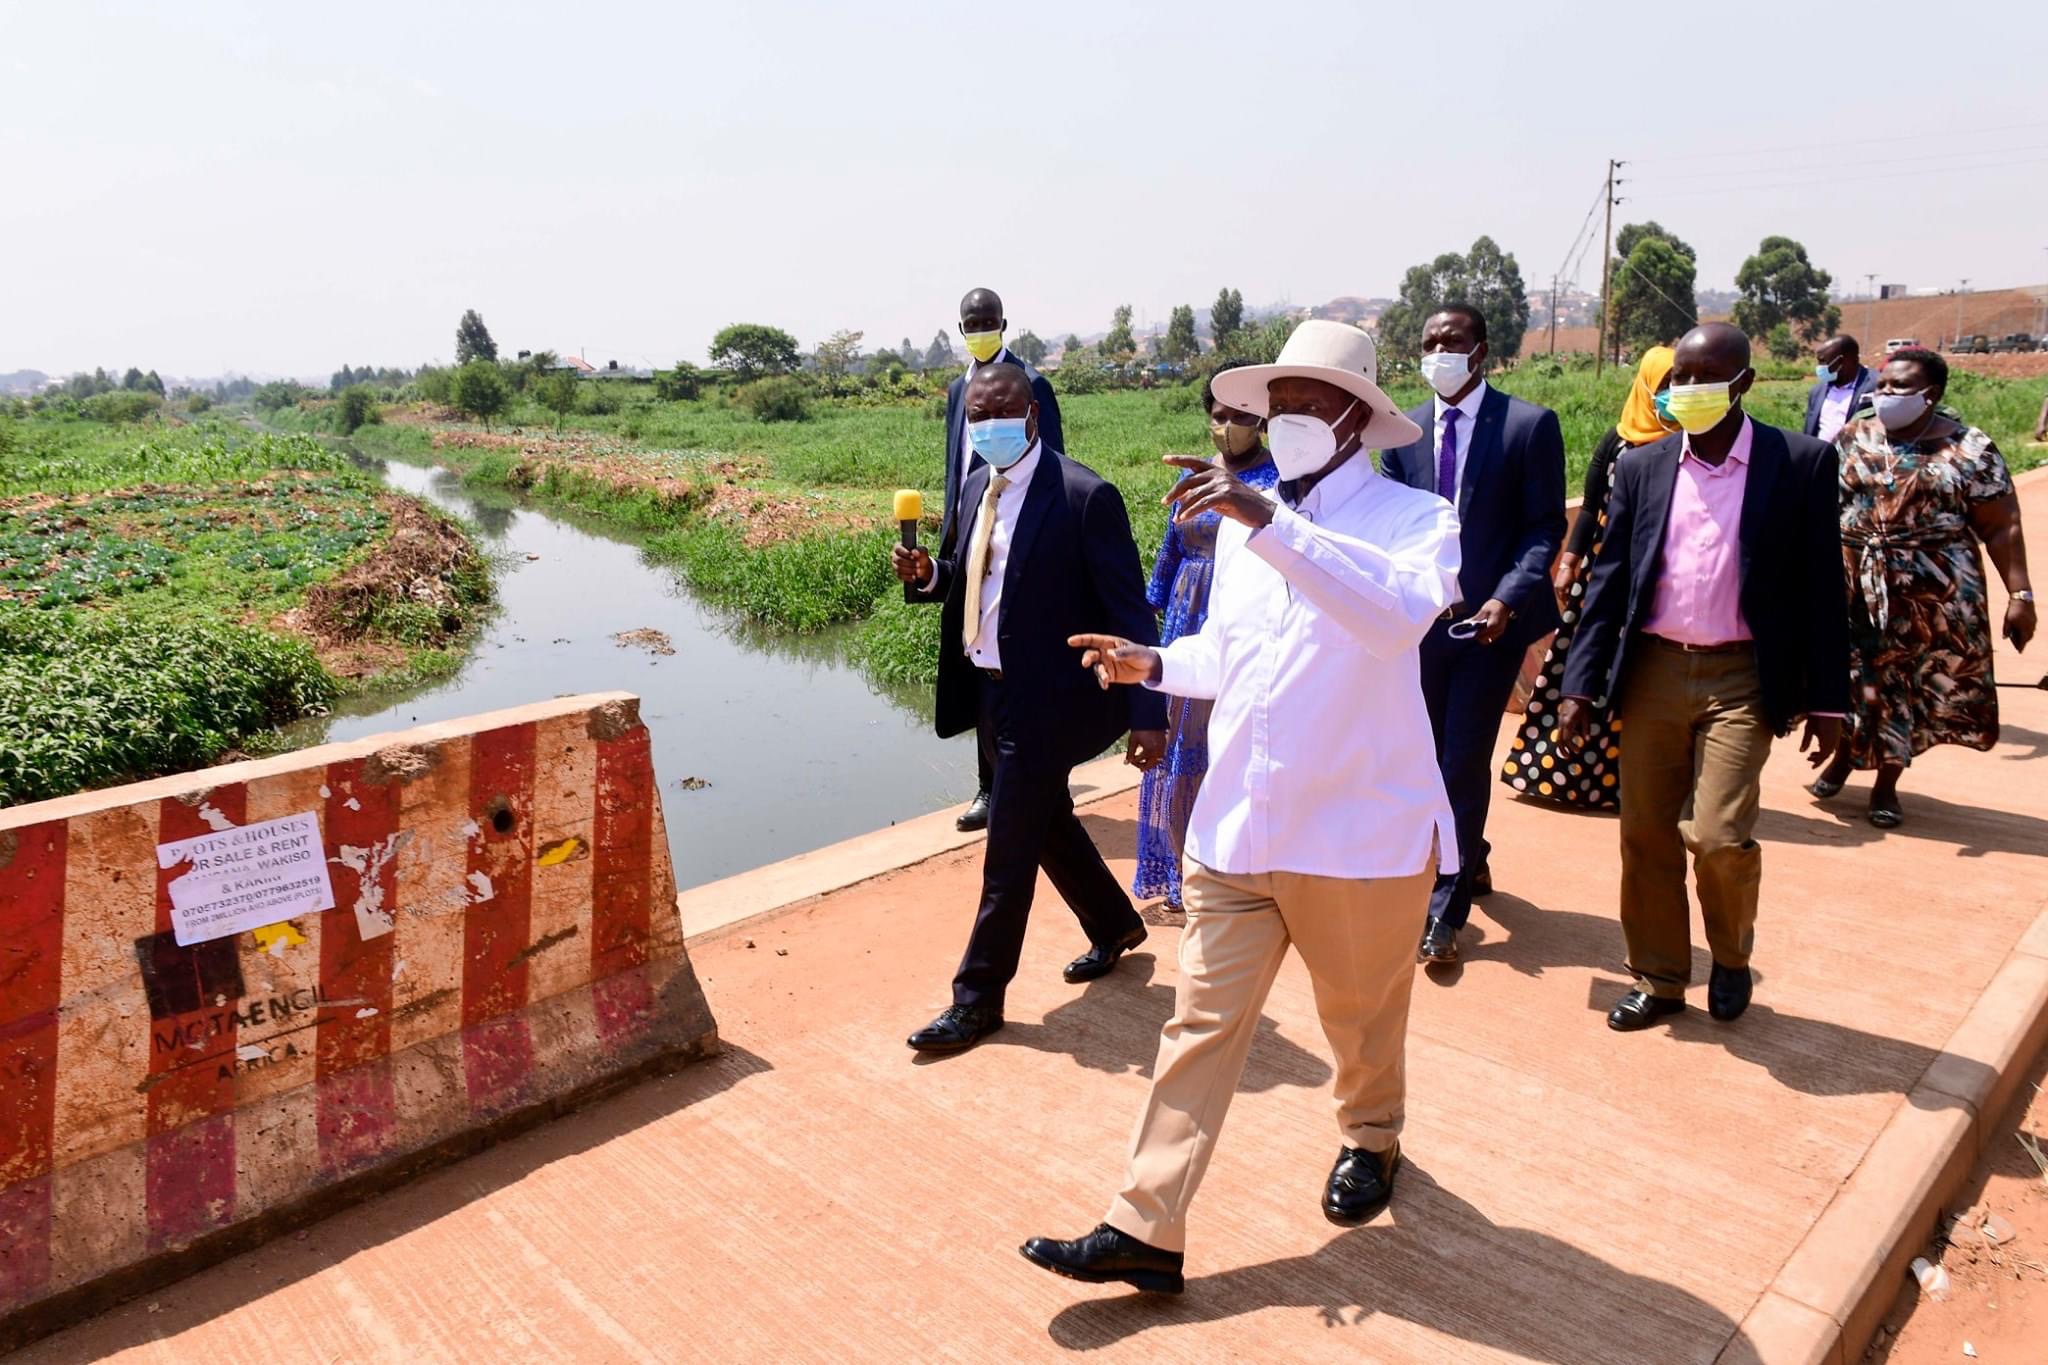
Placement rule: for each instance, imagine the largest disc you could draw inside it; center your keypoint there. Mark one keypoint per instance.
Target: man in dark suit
(1844, 383)
(1716, 618)
(982, 325)
(1500, 462)
(1043, 552)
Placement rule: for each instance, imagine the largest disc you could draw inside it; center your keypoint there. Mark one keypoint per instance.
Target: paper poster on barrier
(247, 877)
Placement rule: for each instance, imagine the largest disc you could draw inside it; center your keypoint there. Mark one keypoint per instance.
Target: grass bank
(170, 593)
(787, 522)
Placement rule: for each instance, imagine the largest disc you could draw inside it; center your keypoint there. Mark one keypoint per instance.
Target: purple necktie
(1447, 459)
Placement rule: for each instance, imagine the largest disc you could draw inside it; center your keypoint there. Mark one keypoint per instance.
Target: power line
(1836, 164)
(1833, 145)
(1650, 284)
(1807, 181)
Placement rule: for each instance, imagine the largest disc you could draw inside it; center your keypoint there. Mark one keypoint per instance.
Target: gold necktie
(977, 560)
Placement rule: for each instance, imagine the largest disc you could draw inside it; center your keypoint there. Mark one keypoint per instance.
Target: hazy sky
(199, 186)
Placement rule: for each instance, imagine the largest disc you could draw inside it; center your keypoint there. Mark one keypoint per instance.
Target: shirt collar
(1738, 454)
(1335, 489)
(1021, 471)
(1001, 355)
(1468, 406)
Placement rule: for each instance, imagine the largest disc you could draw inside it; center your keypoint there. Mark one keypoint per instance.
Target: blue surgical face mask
(1001, 441)
(1824, 373)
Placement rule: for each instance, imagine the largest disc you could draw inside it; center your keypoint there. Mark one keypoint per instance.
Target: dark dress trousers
(1866, 380)
(1072, 568)
(1793, 596)
(1511, 522)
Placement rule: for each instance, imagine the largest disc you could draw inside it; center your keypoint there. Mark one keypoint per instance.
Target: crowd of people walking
(1314, 681)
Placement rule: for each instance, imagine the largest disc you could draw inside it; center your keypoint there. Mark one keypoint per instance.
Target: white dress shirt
(1321, 759)
(1468, 413)
(1834, 408)
(985, 652)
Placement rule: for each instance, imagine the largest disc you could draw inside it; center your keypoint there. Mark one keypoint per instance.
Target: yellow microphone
(909, 511)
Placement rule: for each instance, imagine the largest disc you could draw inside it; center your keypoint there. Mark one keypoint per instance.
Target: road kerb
(1848, 1266)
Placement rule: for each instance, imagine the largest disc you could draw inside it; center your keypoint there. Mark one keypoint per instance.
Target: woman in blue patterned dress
(1180, 589)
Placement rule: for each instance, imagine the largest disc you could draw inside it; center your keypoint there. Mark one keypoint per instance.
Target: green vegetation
(169, 595)
(88, 700)
(1484, 277)
(713, 480)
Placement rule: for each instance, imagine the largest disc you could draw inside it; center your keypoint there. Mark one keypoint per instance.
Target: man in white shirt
(1323, 820)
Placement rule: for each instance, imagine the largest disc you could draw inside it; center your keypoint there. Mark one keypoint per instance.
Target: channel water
(766, 744)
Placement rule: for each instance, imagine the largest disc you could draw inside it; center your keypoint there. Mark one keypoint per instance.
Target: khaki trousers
(1357, 937)
(1693, 744)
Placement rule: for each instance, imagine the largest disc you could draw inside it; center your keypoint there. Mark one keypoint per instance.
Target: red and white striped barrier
(503, 937)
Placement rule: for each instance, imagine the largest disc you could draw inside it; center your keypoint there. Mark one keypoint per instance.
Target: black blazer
(1049, 431)
(1866, 380)
(1793, 594)
(1072, 567)
(1510, 506)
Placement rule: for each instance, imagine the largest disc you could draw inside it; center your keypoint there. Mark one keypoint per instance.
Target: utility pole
(1870, 308)
(1959, 308)
(1606, 271)
(1553, 315)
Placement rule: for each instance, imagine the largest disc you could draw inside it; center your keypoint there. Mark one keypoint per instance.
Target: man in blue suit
(1500, 462)
(1844, 382)
(982, 325)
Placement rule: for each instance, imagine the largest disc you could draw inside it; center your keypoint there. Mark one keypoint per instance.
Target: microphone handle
(909, 530)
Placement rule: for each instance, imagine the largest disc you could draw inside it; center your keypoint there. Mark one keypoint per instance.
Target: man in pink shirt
(1715, 620)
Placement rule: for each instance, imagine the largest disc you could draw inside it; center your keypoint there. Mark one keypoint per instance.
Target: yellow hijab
(1639, 424)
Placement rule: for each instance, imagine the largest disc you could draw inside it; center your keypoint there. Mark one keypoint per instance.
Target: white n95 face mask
(1303, 444)
(1446, 371)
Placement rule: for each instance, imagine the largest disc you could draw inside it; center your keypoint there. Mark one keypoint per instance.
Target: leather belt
(1731, 647)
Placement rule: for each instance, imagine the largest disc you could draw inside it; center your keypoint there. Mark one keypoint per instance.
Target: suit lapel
(1660, 476)
(1038, 501)
(1766, 460)
(1485, 448)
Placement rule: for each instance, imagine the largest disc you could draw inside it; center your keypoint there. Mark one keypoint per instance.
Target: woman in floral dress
(1921, 490)
(1181, 580)
(1591, 778)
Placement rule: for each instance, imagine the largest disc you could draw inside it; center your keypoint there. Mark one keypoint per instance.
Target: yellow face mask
(1234, 440)
(984, 345)
(1699, 407)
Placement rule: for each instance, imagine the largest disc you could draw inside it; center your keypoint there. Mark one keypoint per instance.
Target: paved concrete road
(1572, 1195)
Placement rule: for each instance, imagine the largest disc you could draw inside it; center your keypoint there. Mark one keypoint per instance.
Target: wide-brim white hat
(1336, 353)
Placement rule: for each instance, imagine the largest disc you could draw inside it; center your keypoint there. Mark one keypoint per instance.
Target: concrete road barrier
(195, 1054)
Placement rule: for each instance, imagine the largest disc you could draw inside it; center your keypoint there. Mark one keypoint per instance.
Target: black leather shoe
(1106, 1256)
(957, 1029)
(975, 816)
(1439, 945)
(1482, 881)
(1361, 1184)
(1728, 992)
(1100, 961)
(1640, 1009)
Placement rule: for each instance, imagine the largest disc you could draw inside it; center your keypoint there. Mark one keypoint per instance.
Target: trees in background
(479, 389)
(908, 353)
(1779, 284)
(1119, 344)
(557, 392)
(1029, 347)
(1651, 294)
(1226, 315)
(939, 355)
(1070, 345)
(473, 339)
(1485, 277)
(751, 349)
(836, 357)
(357, 408)
(1179, 345)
